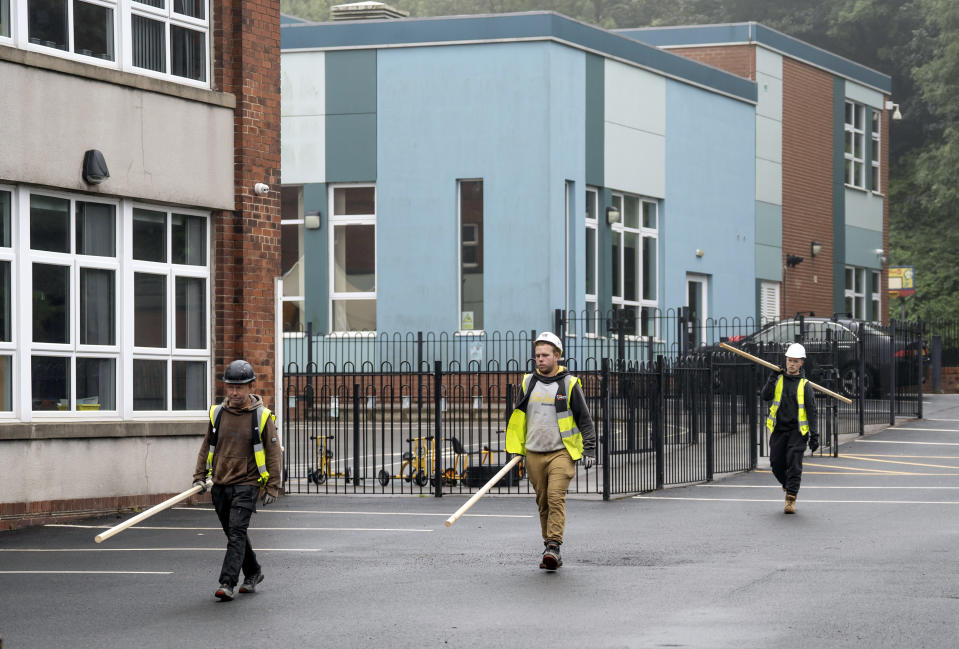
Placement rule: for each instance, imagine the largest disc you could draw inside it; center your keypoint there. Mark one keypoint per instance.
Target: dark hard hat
(239, 371)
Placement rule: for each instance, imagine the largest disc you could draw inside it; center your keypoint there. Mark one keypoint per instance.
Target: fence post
(710, 444)
(936, 369)
(919, 332)
(658, 422)
(892, 372)
(559, 325)
(309, 342)
(437, 429)
(604, 440)
(754, 419)
(861, 380)
(419, 351)
(356, 434)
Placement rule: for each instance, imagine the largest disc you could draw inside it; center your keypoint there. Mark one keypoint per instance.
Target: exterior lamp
(815, 248)
(311, 220)
(612, 215)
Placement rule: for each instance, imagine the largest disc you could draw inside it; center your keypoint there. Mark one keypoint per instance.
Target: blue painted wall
(512, 114)
(710, 190)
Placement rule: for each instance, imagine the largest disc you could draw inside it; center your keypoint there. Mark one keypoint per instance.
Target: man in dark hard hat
(791, 423)
(242, 455)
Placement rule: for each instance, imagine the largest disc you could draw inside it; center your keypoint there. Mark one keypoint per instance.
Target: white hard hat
(796, 351)
(551, 338)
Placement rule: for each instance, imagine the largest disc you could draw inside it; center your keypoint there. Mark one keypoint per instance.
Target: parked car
(817, 335)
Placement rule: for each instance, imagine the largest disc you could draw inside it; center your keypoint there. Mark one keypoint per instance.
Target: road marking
(330, 512)
(913, 457)
(761, 486)
(84, 572)
(871, 459)
(855, 468)
(151, 550)
(896, 441)
(941, 419)
(868, 472)
(266, 529)
(924, 430)
(805, 500)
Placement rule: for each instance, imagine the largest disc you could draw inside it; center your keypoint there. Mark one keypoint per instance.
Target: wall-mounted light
(881, 255)
(815, 248)
(793, 260)
(612, 215)
(894, 108)
(94, 167)
(700, 252)
(311, 220)
(261, 189)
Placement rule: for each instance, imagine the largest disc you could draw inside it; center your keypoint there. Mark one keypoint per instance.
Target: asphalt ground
(869, 560)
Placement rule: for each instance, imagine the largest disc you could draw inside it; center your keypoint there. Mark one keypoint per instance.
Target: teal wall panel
(351, 148)
(351, 82)
(861, 245)
(595, 119)
(316, 259)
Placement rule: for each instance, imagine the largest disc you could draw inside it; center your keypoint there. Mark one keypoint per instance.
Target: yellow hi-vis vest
(260, 415)
(800, 399)
(516, 428)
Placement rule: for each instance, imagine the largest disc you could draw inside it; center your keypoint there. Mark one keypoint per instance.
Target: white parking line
(266, 529)
(805, 487)
(84, 572)
(101, 549)
(806, 500)
(895, 441)
(337, 513)
(924, 430)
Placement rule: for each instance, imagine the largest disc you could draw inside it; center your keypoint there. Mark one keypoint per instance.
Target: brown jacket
(233, 462)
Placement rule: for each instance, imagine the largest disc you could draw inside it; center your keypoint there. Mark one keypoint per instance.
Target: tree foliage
(916, 42)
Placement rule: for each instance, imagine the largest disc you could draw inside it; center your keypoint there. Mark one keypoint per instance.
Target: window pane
(149, 310)
(648, 321)
(189, 385)
(160, 4)
(630, 266)
(849, 280)
(5, 299)
(471, 255)
(849, 110)
(875, 122)
(187, 53)
(47, 23)
(354, 315)
(291, 259)
(149, 43)
(51, 299)
(50, 382)
(354, 258)
(5, 208)
(860, 280)
(293, 319)
(631, 215)
(96, 229)
(96, 384)
(617, 278)
(97, 307)
(354, 200)
(649, 215)
(590, 204)
(649, 268)
(93, 30)
(188, 239)
(6, 383)
(591, 261)
(49, 223)
(149, 235)
(149, 385)
(4, 17)
(193, 8)
(191, 313)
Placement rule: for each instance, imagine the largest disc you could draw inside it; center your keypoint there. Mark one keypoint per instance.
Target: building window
(876, 296)
(876, 150)
(353, 257)
(160, 37)
(634, 262)
(592, 231)
(855, 151)
(856, 292)
(4, 18)
(291, 258)
(471, 254)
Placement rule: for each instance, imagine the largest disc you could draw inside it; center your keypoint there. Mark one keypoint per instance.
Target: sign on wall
(902, 281)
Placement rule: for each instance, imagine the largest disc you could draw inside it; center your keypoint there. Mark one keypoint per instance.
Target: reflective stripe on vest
(568, 430)
(800, 400)
(260, 415)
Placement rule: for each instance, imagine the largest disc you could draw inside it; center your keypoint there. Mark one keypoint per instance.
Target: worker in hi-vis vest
(791, 423)
(241, 452)
(552, 427)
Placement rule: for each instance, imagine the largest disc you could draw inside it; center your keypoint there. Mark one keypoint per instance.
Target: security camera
(261, 189)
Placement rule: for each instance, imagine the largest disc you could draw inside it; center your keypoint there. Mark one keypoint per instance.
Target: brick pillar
(247, 240)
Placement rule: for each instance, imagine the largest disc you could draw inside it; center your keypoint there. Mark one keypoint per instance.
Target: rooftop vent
(366, 11)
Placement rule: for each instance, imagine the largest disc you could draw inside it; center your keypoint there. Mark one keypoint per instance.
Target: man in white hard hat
(552, 427)
(791, 423)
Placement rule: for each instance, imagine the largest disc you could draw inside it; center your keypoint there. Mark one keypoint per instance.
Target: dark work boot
(551, 557)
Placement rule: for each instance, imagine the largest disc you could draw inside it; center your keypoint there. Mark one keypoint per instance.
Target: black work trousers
(234, 506)
(786, 449)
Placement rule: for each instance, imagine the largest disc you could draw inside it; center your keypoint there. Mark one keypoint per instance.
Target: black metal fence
(426, 413)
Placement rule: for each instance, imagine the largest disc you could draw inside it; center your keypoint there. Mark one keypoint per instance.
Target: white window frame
(855, 134)
(459, 257)
(299, 221)
(857, 299)
(123, 11)
(876, 134)
(11, 348)
(620, 230)
(350, 219)
(591, 300)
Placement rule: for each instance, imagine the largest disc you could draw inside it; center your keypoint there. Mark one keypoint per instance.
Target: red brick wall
(737, 59)
(247, 246)
(807, 150)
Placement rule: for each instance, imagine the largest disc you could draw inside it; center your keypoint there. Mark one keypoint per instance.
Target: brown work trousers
(550, 474)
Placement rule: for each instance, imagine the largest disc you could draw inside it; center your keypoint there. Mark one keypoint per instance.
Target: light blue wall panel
(864, 210)
(861, 246)
(710, 189)
(512, 114)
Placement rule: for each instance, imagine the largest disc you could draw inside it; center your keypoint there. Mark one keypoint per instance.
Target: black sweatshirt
(787, 417)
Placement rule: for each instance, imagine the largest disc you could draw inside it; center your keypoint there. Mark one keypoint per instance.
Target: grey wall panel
(157, 147)
(595, 120)
(351, 82)
(351, 148)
